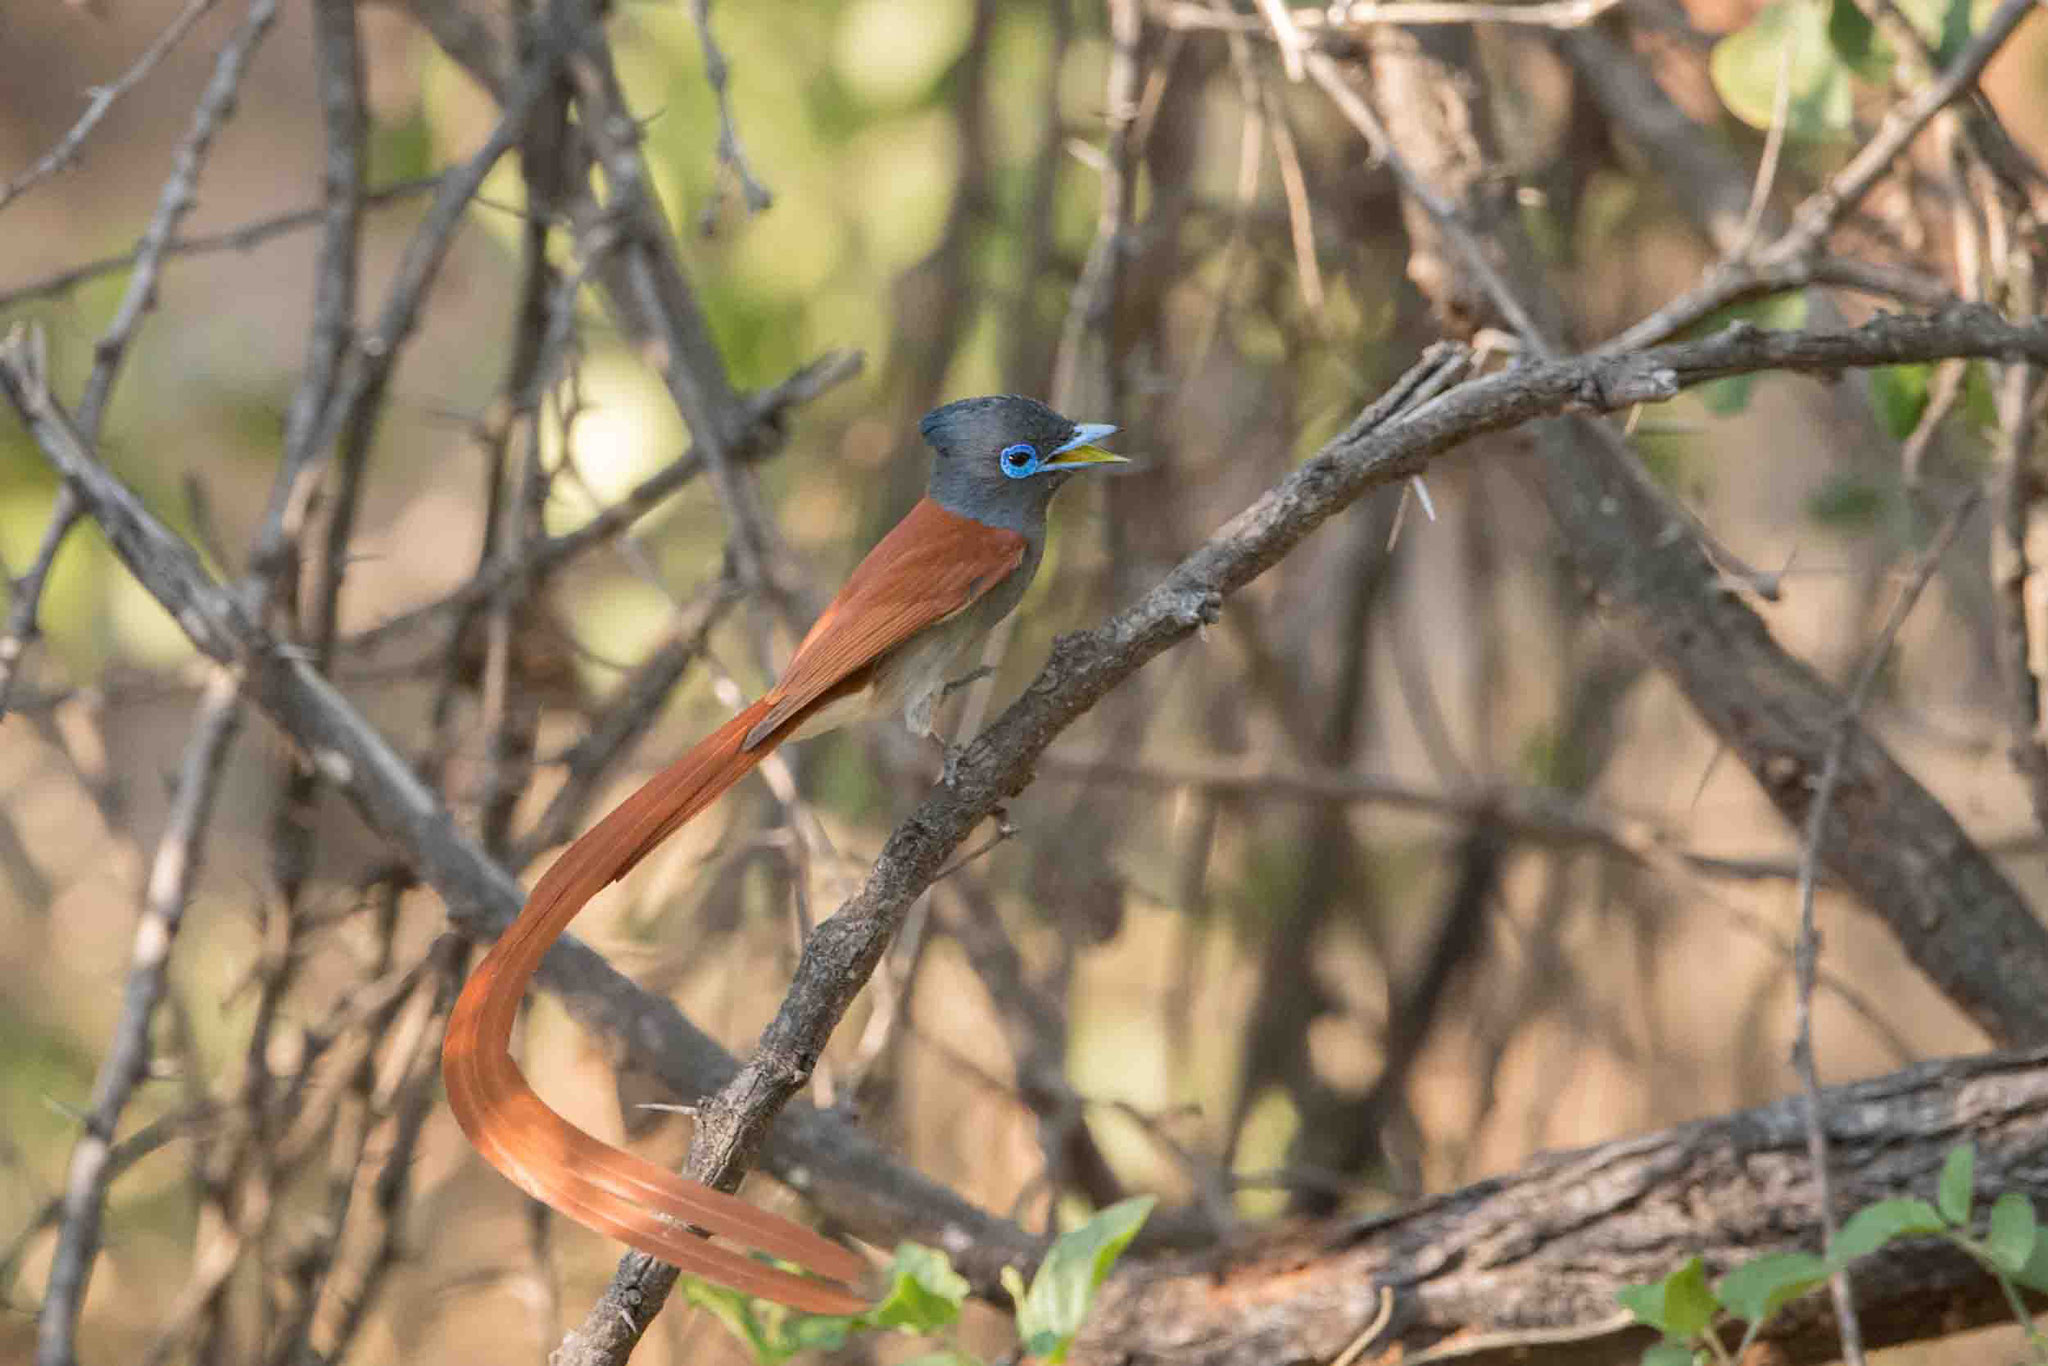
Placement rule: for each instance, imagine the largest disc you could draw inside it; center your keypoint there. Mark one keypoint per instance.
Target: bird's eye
(1020, 459)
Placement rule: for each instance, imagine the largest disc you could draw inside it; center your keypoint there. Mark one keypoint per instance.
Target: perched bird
(956, 564)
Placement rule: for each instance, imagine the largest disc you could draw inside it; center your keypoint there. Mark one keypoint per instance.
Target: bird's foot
(965, 680)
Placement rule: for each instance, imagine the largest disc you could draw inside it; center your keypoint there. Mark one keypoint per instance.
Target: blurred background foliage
(1226, 959)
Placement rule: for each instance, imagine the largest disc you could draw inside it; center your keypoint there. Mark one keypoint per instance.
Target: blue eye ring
(1020, 461)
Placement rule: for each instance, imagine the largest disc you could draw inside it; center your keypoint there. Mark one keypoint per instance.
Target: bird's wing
(935, 563)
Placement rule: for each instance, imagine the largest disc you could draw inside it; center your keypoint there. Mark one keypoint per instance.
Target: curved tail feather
(605, 1188)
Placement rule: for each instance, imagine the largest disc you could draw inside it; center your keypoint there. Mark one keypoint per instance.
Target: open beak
(1080, 451)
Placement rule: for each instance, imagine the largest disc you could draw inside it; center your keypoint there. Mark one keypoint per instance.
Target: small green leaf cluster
(1683, 1306)
(925, 1293)
(1817, 48)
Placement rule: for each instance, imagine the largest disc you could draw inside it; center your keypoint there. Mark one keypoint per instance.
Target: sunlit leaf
(1958, 1184)
(1053, 1310)
(925, 1292)
(2013, 1233)
(2034, 1274)
(736, 1312)
(1871, 1227)
(1944, 24)
(1899, 394)
(1789, 36)
(1758, 1289)
(1854, 39)
(1680, 1306)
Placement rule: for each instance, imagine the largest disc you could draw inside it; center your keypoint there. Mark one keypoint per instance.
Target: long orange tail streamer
(606, 1188)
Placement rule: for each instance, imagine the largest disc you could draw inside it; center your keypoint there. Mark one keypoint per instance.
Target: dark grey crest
(979, 428)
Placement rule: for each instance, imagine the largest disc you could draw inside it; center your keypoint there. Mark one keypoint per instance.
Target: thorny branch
(760, 437)
(1807, 957)
(335, 419)
(1083, 667)
(176, 200)
(171, 876)
(731, 156)
(246, 237)
(103, 97)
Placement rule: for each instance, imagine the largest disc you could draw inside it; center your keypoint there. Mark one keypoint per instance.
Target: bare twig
(1734, 282)
(1807, 955)
(1085, 376)
(2017, 574)
(1817, 217)
(334, 297)
(360, 392)
(249, 235)
(1325, 72)
(103, 97)
(761, 437)
(731, 156)
(849, 1173)
(171, 875)
(1533, 814)
(640, 699)
(150, 1138)
(1774, 145)
(1083, 668)
(1552, 14)
(177, 198)
(25, 594)
(1292, 44)
(651, 288)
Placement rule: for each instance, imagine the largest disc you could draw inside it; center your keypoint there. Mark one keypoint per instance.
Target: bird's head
(1001, 458)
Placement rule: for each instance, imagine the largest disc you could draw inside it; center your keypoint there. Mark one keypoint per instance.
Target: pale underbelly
(907, 682)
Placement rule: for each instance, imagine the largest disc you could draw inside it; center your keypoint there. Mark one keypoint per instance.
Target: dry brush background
(535, 382)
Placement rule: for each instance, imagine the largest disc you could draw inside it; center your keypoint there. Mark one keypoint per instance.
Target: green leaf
(400, 149)
(1945, 24)
(1854, 39)
(1871, 1227)
(1846, 501)
(1680, 1306)
(1052, 1312)
(1787, 312)
(1725, 397)
(2034, 1275)
(1646, 1302)
(1688, 1304)
(1958, 1184)
(736, 1312)
(1980, 403)
(925, 1292)
(814, 1333)
(1899, 394)
(1745, 66)
(1667, 1354)
(1758, 1289)
(2011, 1244)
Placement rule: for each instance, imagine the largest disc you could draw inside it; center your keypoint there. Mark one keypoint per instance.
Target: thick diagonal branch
(850, 1178)
(1523, 1268)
